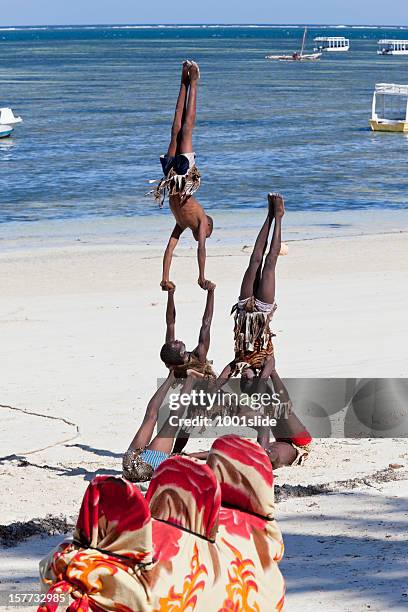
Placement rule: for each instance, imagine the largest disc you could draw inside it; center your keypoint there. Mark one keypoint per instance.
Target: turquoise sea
(98, 102)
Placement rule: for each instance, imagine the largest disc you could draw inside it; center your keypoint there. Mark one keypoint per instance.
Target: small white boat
(305, 57)
(392, 47)
(331, 43)
(7, 117)
(394, 114)
(5, 131)
(297, 56)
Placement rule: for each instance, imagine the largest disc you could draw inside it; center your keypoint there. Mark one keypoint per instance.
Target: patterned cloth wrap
(194, 363)
(181, 177)
(253, 336)
(102, 566)
(214, 540)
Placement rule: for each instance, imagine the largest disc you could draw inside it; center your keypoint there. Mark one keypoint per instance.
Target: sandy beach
(81, 326)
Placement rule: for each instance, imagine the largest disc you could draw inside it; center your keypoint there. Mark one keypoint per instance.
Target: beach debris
(17, 532)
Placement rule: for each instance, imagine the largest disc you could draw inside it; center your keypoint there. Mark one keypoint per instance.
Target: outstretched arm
(202, 254)
(170, 317)
(224, 377)
(269, 368)
(277, 382)
(226, 373)
(165, 437)
(288, 426)
(145, 431)
(201, 349)
(166, 284)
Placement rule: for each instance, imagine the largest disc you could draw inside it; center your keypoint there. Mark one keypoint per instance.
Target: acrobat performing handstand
(254, 352)
(253, 336)
(254, 309)
(182, 179)
(145, 454)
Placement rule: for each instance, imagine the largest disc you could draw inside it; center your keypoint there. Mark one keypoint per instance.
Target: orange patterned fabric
(104, 562)
(206, 556)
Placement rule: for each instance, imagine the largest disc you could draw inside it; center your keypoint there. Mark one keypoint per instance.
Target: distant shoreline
(204, 25)
(232, 228)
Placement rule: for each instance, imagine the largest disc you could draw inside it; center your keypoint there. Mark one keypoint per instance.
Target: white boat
(331, 43)
(392, 114)
(297, 56)
(392, 47)
(5, 131)
(7, 117)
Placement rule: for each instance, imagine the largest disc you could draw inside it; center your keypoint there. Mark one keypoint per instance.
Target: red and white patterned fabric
(206, 556)
(102, 566)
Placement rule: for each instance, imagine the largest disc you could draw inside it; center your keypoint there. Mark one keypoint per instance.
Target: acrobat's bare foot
(194, 71)
(276, 201)
(185, 78)
(167, 285)
(284, 250)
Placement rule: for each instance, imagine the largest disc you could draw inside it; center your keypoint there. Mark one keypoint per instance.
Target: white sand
(81, 328)
(345, 551)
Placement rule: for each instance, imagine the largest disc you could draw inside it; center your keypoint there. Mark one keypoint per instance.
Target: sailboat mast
(303, 41)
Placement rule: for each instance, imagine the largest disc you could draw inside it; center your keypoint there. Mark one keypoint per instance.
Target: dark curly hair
(210, 226)
(170, 354)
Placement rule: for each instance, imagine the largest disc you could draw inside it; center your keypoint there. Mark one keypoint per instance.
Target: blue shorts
(153, 457)
(181, 163)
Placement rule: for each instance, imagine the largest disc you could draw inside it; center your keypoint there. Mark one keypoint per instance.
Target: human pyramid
(254, 360)
(204, 536)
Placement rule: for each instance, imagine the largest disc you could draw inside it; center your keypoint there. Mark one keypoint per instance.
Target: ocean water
(98, 102)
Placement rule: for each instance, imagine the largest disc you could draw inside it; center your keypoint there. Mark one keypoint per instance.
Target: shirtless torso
(188, 213)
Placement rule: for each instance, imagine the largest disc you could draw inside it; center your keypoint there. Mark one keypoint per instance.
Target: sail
(303, 41)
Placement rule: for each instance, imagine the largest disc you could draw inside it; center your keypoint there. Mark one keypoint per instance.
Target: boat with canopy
(389, 111)
(333, 44)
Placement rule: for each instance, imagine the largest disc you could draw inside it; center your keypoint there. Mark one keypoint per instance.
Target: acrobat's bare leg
(179, 112)
(252, 274)
(186, 141)
(145, 432)
(266, 289)
(164, 440)
(289, 429)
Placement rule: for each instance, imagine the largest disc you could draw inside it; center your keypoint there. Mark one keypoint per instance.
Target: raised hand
(207, 285)
(167, 285)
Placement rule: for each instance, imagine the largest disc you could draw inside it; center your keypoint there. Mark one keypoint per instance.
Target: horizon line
(208, 24)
